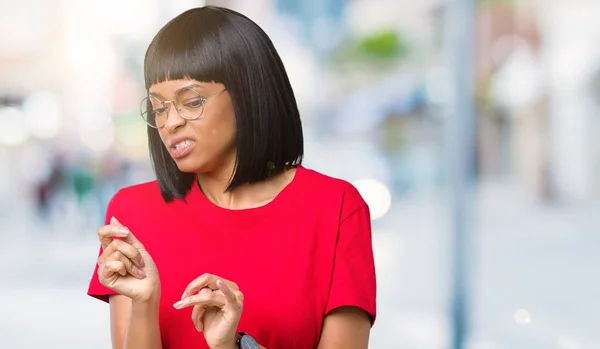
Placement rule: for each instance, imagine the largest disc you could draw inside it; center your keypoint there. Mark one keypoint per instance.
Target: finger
(197, 316)
(198, 313)
(129, 238)
(107, 251)
(113, 267)
(239, 296)
(129, 251)
(107, 233)
(105, 276)
(205, 299)
(129, 266)
(231, 300)
(206, 280)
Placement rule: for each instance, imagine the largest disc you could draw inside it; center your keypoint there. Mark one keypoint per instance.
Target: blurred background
(485, 196)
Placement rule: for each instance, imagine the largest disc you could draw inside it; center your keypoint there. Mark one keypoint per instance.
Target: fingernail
(141, 273)
(113, 220)
(121, 231)
(142, 263)
(178, 305)
(184, 295)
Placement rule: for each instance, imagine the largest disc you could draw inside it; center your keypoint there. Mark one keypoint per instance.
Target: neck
(214, 184)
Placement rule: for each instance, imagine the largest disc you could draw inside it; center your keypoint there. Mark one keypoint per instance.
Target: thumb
(115, 221)
(231, 305)
(130, 238)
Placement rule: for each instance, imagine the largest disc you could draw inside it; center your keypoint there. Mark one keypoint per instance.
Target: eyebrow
(154, 94)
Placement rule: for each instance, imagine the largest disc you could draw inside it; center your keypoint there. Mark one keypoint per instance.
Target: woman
(236, 245)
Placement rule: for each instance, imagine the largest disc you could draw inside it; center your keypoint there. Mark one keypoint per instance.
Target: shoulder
(147, 193)
(331, 185)
(332, 191)
(147, 190)
(136, 205)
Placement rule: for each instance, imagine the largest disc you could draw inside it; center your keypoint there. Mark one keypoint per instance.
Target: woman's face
(203, 145)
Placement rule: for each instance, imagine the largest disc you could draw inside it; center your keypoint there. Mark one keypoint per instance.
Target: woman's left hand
(217, 309)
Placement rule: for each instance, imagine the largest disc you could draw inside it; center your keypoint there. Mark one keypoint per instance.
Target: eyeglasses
(188, 104)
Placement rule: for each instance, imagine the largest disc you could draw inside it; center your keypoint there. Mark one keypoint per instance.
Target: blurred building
(371, 79)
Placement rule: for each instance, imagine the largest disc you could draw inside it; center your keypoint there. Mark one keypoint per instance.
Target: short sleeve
(353, 279)
(96, 289)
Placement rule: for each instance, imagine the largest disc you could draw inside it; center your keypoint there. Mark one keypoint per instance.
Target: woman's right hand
(124, 265)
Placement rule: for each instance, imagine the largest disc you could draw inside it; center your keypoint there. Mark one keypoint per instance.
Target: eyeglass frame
(174, 103)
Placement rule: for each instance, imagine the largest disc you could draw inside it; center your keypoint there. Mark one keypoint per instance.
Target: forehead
(170, 88)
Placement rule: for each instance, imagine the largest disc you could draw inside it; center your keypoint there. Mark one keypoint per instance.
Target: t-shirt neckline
(197, 198)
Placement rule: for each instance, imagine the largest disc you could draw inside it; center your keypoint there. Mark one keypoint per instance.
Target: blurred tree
(378, 47)
(386, 45)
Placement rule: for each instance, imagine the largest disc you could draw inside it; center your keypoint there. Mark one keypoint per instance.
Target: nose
(174, 120)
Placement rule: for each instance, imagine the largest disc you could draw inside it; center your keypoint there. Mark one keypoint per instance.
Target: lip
(181, 152)
(171, 142)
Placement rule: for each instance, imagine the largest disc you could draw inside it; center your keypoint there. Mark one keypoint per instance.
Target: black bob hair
(214, 44)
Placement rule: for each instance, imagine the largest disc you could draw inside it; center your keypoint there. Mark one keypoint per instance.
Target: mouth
(182, 148)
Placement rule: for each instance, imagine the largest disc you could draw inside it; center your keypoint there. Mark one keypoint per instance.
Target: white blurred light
(503, 47)
(42, 114)
(522, 317)
(24, 30)
(518, 82)
(13, 130)
(565, 342)
(377, 196)
(568, 28)
(91, 57)
(135, 18)
(98, 136)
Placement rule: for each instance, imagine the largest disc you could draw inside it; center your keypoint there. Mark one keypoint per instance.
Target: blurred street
(45, 275)
(383, 88)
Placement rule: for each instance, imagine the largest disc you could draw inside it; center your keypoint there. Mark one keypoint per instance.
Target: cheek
(221, 131)
(162, 136)
(210, 133)
(220, 137)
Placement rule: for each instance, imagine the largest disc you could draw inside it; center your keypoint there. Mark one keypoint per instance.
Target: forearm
(143, 331)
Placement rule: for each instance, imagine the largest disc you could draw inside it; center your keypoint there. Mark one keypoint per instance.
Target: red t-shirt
(295, 259)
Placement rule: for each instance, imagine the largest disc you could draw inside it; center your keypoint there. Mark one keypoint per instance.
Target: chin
(189, 165)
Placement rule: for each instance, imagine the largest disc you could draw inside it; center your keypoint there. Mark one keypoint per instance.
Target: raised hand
(124, 265)
(217, 309)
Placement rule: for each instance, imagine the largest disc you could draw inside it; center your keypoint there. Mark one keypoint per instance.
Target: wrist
(152, 298)
(231, 345)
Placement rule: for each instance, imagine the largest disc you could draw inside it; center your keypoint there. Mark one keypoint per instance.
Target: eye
(193, 103)
(158, 112)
